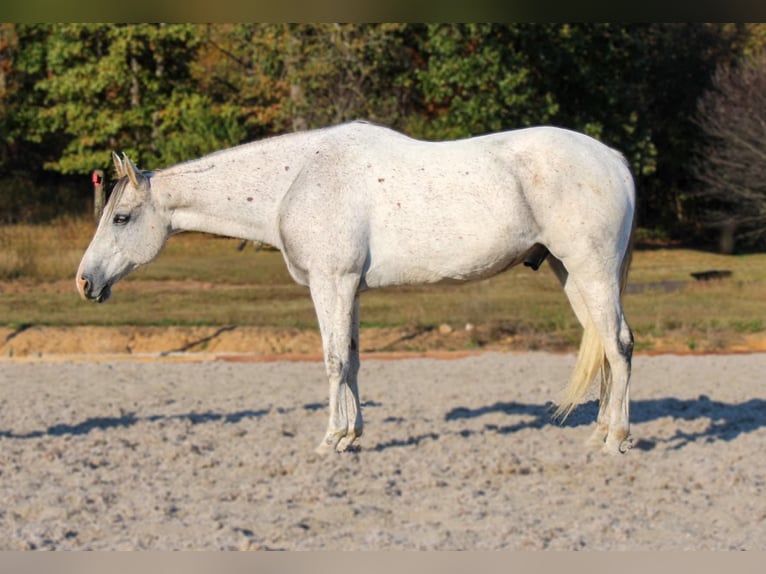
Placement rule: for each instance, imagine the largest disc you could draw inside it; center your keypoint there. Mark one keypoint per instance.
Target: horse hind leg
(580, 310)
(603, 300)
(619, 394)
(607, 318)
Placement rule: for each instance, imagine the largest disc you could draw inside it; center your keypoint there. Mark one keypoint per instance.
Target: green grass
(202, 280)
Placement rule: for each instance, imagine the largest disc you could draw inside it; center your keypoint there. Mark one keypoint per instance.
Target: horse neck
(234, 193)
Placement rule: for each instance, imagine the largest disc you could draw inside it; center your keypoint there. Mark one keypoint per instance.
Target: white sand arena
(457, 454)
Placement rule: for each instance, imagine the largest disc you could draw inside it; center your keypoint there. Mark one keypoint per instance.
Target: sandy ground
(195, 452)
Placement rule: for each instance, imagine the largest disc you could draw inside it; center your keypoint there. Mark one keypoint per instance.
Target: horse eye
(120, 219)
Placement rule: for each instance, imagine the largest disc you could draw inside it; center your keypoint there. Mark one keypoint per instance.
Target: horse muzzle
(88, 291)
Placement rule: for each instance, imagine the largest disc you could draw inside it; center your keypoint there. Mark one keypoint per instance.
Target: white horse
(358, 206)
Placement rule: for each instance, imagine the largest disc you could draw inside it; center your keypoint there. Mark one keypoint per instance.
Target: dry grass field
(204, 281)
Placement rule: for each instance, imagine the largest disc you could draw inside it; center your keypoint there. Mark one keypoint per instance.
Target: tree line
(164, 93)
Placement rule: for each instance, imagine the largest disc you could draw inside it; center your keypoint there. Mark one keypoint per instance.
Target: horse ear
(118, 166)
(135, 176)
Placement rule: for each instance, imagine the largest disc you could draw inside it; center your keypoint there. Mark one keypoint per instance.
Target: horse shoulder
(320, 221)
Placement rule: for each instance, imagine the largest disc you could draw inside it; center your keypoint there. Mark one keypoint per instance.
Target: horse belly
(407, 256)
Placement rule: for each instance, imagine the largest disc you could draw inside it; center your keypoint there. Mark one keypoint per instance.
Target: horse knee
(335, 367)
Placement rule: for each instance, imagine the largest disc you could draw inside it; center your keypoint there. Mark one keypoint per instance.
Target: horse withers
(359, 206)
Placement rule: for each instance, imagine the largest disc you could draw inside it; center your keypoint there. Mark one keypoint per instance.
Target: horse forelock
(118, 191)
(114, 197)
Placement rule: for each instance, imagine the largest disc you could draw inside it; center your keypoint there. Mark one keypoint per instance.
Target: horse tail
(591, 358)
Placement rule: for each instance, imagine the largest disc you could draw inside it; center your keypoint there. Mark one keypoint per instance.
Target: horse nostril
(83, 285)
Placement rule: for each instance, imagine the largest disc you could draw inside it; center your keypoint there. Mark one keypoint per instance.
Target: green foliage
(595, 72)
(72, 93)
(474, 80)
(107, 86)
(342, 72)
(192, 125)
(240, 67)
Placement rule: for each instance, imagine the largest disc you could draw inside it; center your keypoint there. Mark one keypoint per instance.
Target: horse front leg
(353, 408)
(336, 303)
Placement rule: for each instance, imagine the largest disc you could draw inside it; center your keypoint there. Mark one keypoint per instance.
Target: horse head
(132, 231)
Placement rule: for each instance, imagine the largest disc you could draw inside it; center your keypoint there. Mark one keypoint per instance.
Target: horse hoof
(324, 449)
(597, 437)
(329, 444)
(334, 441)
(346, 442)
